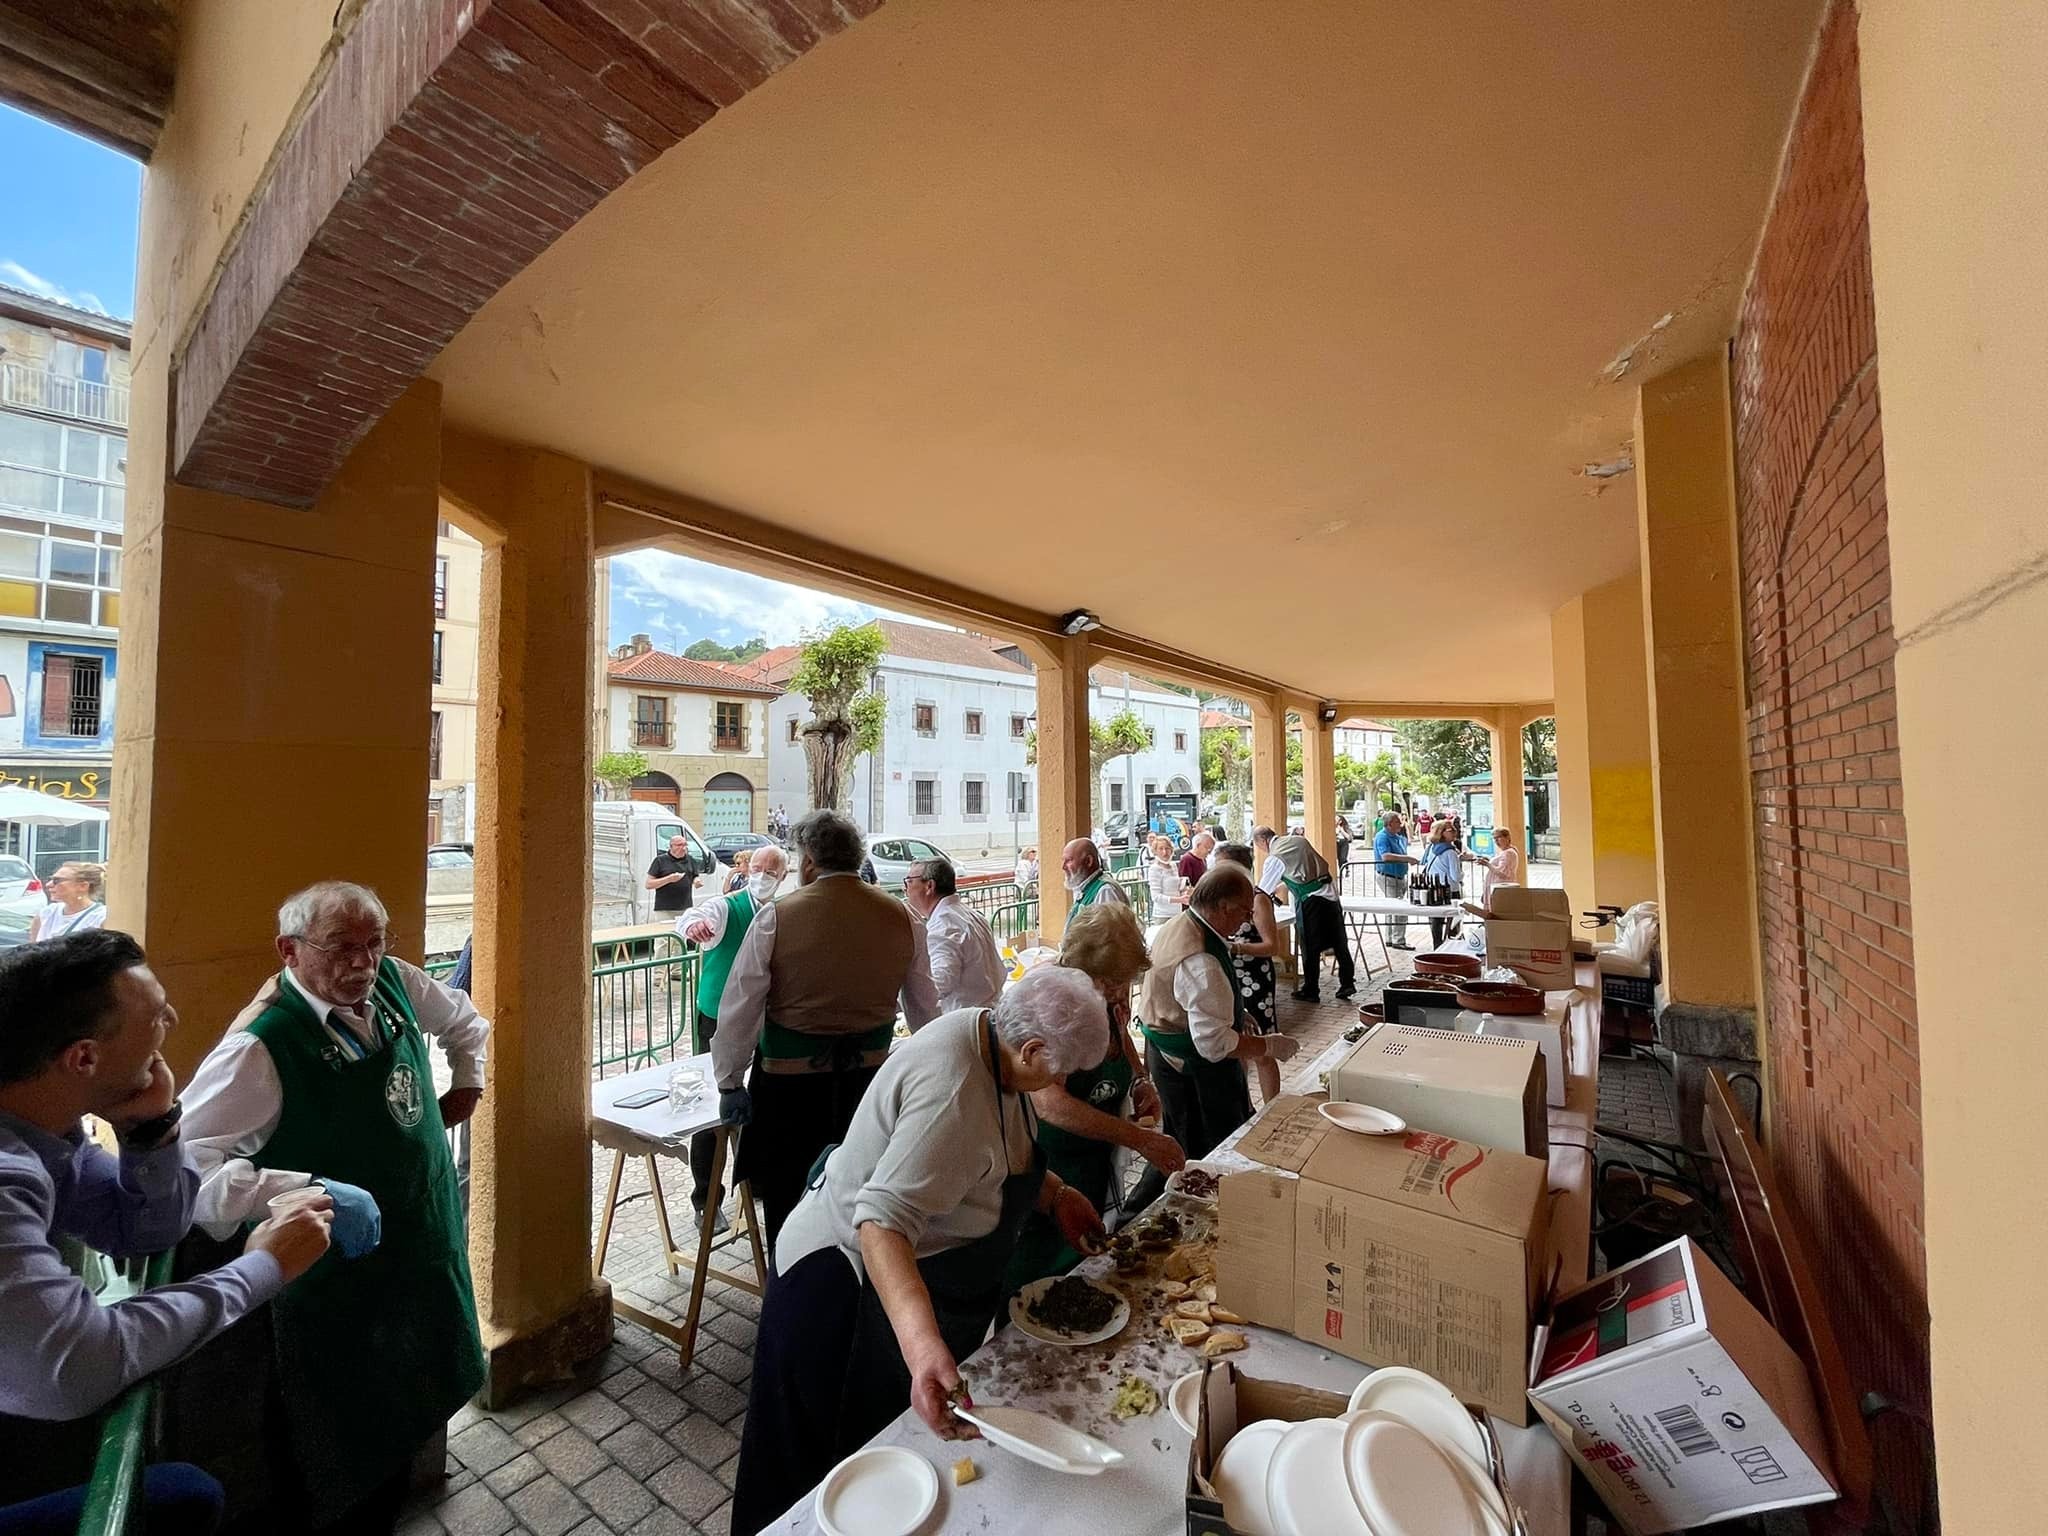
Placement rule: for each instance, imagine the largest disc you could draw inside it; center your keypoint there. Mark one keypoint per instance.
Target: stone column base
(550, 1353)
(1701, 1038)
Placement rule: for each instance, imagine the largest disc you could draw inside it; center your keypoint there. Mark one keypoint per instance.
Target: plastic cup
(685, 1087)
(292, 1199)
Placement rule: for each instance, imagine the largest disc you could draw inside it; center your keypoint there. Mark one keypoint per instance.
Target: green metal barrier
(114, 1494)
(642, 1005)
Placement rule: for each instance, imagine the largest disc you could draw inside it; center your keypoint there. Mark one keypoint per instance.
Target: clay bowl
(1427, 984)
(1448, 965)
(1500, 997)
(1372, 1013)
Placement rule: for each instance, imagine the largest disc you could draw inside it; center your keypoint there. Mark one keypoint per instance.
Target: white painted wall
(1172, 716)
(692, 717)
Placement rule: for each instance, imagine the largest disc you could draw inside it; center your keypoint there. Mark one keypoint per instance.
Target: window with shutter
(729, 731)
(56, 695)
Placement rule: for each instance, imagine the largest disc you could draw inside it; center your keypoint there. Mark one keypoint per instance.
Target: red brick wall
(1843, 1039)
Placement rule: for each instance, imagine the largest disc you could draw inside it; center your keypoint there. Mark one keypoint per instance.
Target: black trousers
(704, 1143)
(1321, 922)
(1201, 1106)
(797, 1115)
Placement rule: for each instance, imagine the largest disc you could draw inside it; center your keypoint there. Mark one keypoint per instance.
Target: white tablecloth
(1144, 1496)
(656, 1129)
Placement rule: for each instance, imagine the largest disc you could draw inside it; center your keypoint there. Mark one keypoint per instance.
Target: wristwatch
(147, 1135)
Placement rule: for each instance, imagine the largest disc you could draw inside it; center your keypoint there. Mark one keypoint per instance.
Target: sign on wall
(59, 779)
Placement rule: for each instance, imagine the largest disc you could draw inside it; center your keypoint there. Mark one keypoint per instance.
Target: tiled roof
(921, 642)
(1111, 680)
(1223, 720)
(681, 672)
(771, 666)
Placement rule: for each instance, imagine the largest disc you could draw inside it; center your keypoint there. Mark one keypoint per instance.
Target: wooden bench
(1778, 1278)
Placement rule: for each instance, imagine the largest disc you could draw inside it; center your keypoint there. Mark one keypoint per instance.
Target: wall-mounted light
(1079, 622)
(1327, 713)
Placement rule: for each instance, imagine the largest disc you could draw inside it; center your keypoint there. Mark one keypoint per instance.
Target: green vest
(1090, 892)
(739, 917)
(374, 1354)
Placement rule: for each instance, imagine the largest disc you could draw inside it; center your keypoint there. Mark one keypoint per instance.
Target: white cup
(292, 1199)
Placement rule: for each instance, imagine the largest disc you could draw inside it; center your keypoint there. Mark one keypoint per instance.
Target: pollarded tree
(833, 671)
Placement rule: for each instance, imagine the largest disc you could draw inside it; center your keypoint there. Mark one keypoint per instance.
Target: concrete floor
(638, 1447)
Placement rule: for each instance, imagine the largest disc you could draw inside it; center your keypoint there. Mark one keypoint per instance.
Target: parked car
(893, 856)
(20, 890)
(14, 926)
(451, 869)
(726, 844)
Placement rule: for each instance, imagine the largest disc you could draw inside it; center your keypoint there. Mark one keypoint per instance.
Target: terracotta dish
(1372, 1013)
(1500, 997)
(1448, 965)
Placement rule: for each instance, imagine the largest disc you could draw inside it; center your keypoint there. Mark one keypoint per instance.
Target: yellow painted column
(530, 1183)
(269, 655)
(1319, 784)
(1958, 232)
(1602, 711)
(1269, 764)
(1064, 775)
(1510, 807)
(1685, 489)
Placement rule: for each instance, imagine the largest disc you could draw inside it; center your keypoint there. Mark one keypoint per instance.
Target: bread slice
(1190, 1332)
(1222, 1341)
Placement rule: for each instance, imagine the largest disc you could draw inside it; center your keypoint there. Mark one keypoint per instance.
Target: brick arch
(1816, 600)
(451, 142)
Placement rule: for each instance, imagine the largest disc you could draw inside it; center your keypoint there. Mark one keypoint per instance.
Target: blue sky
(68, 211)
(676, 600)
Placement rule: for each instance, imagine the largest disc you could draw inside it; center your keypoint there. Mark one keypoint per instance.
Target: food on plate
(1071, 1305)
(1223, 1315)
(1206, 1291)
(1222, 1341)
(1160, 1232)
(965, 1471)
(1134, 1398)
(1199, 1310)
(1198, 1183)
(1186, 1330)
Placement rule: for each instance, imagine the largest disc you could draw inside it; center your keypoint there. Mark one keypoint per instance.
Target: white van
(625, 837)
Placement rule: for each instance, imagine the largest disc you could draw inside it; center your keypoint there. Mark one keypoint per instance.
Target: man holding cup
(324, 1080)
(82, 1025)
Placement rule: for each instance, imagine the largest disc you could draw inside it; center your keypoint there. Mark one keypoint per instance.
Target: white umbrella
(32, 808)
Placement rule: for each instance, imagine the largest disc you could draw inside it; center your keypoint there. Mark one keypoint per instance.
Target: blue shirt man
(1390, 870)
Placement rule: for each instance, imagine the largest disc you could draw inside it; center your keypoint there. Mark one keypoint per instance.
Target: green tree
(617, 770)
(1294, 770)
(711, 650)
(1449, 749)
(832, 671)
(1227, 771)
(1119, 736)
(1539, 747)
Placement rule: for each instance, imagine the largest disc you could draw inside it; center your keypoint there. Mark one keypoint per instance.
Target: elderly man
(810, 1006)
(967, 968)
(1192, 1014)
(82, 1025)
(1318, 917)
(1391, 862)
(324, 1079)
(1086, 879)
(718, 927)
(1195, 862)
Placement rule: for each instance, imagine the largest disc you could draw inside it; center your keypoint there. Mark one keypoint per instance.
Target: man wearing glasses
(324, 1079)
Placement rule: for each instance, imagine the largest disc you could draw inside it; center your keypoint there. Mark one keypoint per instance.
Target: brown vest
(842, 951)
(1178, 939)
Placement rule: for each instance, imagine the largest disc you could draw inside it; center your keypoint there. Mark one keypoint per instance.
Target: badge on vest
(402, 1096)
(1104, 1094)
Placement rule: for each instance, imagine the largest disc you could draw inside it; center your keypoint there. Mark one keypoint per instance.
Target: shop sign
(58, 779)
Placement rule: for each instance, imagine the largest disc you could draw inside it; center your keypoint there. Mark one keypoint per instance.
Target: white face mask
(761, 887)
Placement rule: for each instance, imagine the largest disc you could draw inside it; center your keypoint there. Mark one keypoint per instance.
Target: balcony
(29, 388)
(658, 734)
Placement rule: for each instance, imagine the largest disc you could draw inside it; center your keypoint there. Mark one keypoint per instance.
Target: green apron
(1082, 1161)
(1203, 1100)
(739, 917)
(374, 1354)
(1082, 897)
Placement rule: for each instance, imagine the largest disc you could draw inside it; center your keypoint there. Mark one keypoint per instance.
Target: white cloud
(693, 599)
(14, 273)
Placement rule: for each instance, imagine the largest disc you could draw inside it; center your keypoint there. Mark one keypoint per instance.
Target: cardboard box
(1530, 930)
(1550, 1032)
(1483, 1088)
(1229, 1401)
(1679, 1402)
(1412, 1250)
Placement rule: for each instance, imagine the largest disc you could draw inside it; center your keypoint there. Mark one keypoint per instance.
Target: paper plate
(1362, 1118)
(1402, 1481)
(1417, 1398)
(1173, 1183)
(881, 1491)
(1183, 1397)
(1031, 1328)
(1239, 1477)
(1041, 1439)
(1305, 1487)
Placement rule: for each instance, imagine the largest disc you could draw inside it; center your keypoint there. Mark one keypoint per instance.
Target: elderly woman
(1162, 878)
(891, 1267)
(1443, 863)
(742, 867)
(1080, 1120)
(77, 902)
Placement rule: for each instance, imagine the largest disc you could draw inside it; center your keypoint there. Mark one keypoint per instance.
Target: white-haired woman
(891, 1267)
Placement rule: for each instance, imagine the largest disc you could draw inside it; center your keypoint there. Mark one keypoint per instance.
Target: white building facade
(704, 730)
(1172, 764)
(1365, 740)
(63, 487)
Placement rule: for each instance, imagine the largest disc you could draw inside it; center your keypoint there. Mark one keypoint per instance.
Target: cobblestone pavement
(635, 1445)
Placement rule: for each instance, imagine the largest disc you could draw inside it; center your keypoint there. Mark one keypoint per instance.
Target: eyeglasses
(371, 951)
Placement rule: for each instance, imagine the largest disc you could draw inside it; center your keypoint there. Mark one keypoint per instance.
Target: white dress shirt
(743, 1010)
(1205, 993)
(1272, 875)
(967, 969)
(235, 1100)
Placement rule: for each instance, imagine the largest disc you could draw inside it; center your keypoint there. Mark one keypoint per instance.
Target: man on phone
(82, 1025)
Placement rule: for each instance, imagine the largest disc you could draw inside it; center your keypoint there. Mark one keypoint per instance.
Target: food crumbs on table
(965, 1472)
(1134, 1398)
